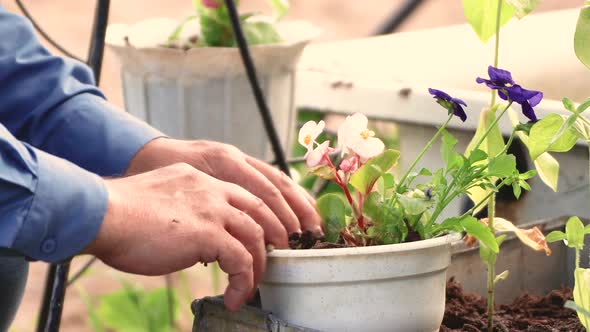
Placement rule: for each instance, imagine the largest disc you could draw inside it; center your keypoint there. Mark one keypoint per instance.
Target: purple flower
(213, 4)
(502, 81)
(453, 105)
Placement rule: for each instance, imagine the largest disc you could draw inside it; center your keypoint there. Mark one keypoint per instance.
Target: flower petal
(310, 131)
(458, 111)
(316, 157)
(500, 76)
(368, 148)
(528, 111)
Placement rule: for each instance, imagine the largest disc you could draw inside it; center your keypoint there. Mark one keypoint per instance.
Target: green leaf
(502, 166)
(451, 158)
(415, 205)
(385, 183)
(121, 311)
(261, 33)
(582, 295)
(388, 223)
(279, 8)
(587, 229)
(366, 176)
(583, 106)
(523, 7)
(481, 232)
(568, 104)
(574, 231)
(477, 155)
(542, 137)
(547, 167)
(481, 15)
(555, 236)
(332, 210)
(582, 37)
(516, 190)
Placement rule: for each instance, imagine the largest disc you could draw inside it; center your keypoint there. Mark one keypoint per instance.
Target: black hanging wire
(399, 16)
(271, 131)
(44, 34)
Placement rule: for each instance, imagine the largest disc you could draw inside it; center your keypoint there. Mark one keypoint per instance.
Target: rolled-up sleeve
(50, 209)
(51, 103)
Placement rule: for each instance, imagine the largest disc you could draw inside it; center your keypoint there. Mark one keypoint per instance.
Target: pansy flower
(453, 105)
(502, 81)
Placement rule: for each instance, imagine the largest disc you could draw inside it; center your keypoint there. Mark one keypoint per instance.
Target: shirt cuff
(97, 136)
(66, 212)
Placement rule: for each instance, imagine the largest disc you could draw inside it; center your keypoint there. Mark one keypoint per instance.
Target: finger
(303, 208)
(274, 231)
(256, 183)
(237, 262)
(251, 235)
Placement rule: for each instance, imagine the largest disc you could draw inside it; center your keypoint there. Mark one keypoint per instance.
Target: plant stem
(491, 265)
(492, 199)
(426, 148)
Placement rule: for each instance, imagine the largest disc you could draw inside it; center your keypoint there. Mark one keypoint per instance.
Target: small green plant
(216, 29)
(133, 309)
(574, 238)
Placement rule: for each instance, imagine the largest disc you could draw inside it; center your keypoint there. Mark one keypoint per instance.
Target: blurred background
(69, 22)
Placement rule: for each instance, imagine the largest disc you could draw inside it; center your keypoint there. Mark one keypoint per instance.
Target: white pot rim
(399, 247)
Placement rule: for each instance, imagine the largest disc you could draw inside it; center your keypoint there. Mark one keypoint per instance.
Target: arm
(50, 209)
(52, 104)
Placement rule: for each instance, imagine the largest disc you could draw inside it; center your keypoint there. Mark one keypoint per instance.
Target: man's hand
(171, 218)
(289, 202)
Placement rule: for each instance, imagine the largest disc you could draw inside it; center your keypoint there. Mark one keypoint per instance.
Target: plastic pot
(203, 92)
(399, 287)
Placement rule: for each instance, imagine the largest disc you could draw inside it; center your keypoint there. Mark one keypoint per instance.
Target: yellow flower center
(307, 139)
(367, 133)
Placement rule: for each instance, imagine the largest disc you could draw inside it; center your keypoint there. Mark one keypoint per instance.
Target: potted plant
(187, 79)
(382, 263)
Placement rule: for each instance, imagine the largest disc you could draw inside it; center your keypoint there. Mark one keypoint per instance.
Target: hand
(174, 217)
(290, 203)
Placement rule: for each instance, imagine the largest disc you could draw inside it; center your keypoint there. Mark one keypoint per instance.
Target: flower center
(307, 139)
(367, 133)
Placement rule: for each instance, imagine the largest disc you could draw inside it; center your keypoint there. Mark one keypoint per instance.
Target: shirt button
(48, 246)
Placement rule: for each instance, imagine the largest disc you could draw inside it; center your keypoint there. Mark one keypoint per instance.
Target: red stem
(342, 185)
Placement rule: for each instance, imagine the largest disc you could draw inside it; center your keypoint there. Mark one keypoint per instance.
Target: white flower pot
(203, 93)
(399, 287)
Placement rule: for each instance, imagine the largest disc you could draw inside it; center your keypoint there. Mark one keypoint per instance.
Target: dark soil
(306, 240)
(467, 312)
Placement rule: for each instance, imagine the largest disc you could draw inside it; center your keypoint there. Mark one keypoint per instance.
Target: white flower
(353, 135)
(317, 156)
(309, 132)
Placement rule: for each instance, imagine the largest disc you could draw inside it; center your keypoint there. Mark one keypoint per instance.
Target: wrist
(151, 156)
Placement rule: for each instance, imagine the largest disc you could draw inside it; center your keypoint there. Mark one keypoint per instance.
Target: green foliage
(366, 176)
(543, 138)
(388, 224)
(582, 295)
(279, 8)
(481, 15)
(332, 210)
(547, 167)
(133, 309)
(502, 166)
(473, 227)
(523, 7)
(258, 33)
(582, 36)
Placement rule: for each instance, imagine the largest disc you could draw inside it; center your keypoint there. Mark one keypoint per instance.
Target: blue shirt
(58, 136)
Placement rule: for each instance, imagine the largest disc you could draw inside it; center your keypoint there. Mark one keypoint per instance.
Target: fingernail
(318, 231)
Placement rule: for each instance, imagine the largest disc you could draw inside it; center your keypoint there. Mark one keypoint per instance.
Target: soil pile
(467, 312)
